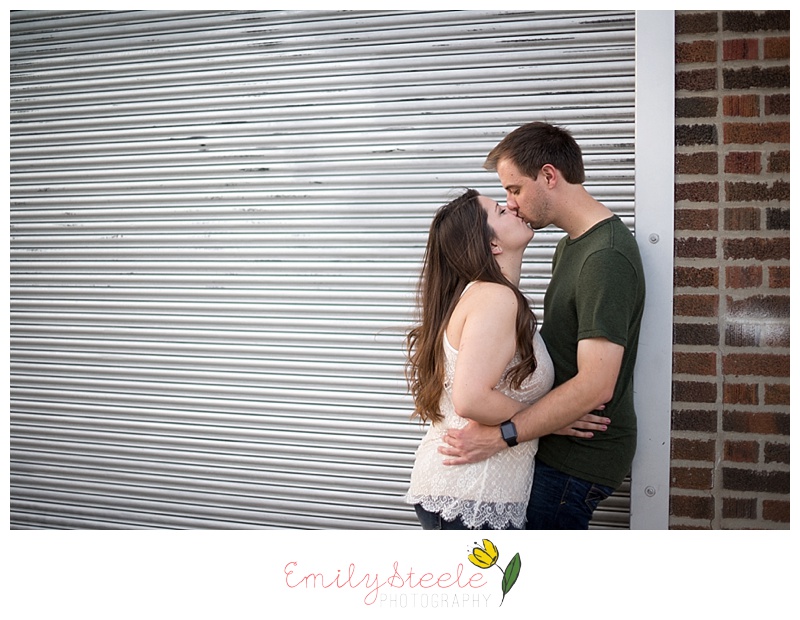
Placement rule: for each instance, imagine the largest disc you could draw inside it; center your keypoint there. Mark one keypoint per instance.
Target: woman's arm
(486, 346)
(598, 366)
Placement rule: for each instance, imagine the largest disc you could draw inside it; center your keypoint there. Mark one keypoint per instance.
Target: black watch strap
(509, 433)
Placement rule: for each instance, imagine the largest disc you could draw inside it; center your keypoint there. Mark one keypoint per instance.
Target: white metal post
(655, 164)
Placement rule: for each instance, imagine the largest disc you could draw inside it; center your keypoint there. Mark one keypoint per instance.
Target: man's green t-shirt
(597, 290)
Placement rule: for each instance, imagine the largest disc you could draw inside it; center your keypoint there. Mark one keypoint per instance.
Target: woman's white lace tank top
(494, 492)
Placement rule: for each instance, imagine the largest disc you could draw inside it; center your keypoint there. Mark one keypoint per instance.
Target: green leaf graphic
(510, 575)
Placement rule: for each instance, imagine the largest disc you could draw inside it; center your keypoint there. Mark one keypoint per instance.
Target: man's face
(524, 195)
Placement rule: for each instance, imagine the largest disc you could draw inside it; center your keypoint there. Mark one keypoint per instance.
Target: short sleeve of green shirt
(608, 297)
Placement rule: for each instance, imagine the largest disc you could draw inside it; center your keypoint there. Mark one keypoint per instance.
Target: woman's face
(510, 231)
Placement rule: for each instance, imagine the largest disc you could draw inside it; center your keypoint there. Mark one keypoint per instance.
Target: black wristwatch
(509, 433)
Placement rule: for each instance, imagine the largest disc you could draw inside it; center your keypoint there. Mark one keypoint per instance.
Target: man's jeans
(562, 502)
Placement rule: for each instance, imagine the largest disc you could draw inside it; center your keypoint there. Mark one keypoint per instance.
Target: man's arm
(599, 362)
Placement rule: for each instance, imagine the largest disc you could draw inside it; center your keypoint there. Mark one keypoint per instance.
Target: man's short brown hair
(533, 145)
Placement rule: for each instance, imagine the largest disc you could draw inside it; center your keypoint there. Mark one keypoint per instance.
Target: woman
(475, 354)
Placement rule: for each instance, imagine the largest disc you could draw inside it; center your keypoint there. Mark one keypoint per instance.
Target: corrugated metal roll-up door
(217, 226)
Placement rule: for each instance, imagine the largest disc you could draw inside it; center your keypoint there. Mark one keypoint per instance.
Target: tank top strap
(466, 288)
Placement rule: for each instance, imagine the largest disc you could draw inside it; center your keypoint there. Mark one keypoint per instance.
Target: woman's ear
(496, 249)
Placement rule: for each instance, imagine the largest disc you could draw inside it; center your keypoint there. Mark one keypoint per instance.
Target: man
(592, 314)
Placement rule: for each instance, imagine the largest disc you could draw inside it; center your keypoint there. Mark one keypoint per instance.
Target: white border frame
(655, 182)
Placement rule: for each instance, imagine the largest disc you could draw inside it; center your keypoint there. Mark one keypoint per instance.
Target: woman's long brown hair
(458, 252)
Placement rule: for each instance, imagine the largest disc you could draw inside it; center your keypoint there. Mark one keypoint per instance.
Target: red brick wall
(730, 389)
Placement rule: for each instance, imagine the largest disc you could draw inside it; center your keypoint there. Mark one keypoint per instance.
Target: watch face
(509, 432)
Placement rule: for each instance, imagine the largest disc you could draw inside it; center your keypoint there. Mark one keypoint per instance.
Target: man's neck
(580, 211)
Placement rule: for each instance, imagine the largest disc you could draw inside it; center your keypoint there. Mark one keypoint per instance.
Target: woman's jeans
(434, 521)
(562, 502)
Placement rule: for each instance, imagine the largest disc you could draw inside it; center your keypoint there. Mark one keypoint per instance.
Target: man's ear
(550, 173)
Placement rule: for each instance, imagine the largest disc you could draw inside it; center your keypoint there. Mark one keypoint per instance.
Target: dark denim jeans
(562, 502)
(434, 521)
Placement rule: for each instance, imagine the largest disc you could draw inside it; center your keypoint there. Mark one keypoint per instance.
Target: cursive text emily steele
(372, 582)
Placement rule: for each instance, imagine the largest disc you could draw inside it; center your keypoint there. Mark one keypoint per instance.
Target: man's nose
(511, 203)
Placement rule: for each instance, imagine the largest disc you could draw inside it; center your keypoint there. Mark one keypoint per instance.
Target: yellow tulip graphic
(486, 556)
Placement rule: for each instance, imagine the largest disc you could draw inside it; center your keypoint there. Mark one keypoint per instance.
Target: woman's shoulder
(490, 301)
(491, 298)
(483, 301)
(490, 291)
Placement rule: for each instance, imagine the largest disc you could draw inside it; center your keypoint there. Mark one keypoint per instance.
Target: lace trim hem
(475, 514)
